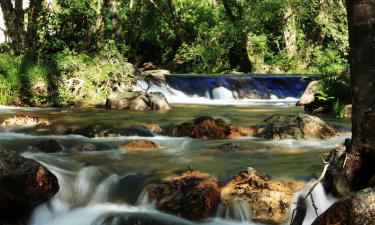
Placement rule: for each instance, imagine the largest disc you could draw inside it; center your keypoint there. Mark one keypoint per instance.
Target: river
(102, 184)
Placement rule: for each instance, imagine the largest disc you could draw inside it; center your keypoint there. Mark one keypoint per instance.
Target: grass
(20, 74)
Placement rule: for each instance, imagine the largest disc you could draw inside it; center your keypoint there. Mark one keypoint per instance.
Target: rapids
(102, 184)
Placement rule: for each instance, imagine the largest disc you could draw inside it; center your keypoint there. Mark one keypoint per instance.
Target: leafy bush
(335, 87)
(339, 109)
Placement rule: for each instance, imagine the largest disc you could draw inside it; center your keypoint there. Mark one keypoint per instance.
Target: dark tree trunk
(14, 22)
(359, 164)
(116, 24)
(238, 55)
(34, 14)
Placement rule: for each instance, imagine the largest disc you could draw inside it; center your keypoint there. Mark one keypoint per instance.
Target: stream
(102, 184)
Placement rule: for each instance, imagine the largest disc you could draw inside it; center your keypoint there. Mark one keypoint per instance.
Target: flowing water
(101, 184)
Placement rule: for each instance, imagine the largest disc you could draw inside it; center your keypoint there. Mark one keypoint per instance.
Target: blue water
(281, 86)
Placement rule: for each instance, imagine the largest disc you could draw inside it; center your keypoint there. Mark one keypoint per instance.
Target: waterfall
(85, 199)
(321, 200)
(226, 90)
(222, 93)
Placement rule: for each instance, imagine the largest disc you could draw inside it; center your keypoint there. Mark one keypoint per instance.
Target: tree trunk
(290, 39)
(360, 158)
(117, 27)
(238, 55)
(14, 22)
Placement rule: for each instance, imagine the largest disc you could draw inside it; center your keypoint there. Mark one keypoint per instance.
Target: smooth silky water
(100, 184)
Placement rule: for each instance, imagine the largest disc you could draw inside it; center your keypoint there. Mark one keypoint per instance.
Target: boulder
(160, 73)
(208, 127)
(308, 95)
(24, 184)
(358, 209)
(104, 130)
(268, 199)
(301, 126)
(24, 121)
(193, 195)
(139, 145)
(137, 100)
(158, 101)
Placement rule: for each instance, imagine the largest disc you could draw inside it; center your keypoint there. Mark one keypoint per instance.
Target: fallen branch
(301, 202)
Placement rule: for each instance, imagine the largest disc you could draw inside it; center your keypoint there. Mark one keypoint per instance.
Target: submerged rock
(268, 199)
(102, 130)
(301, 126)
(359, 209)
(210, 127)
(24, 184)
(24, 121)
(308, 95)
(137, 100)
(48, 146)
(139, 145)
(193, 195)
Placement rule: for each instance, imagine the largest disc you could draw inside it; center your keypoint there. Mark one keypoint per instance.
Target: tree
(359, 168)
(238, 55)
(14, 22)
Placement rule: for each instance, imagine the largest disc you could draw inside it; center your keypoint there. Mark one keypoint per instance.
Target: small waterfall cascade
(86, 198)
(238, 210)
(322, 201)
(206, 89)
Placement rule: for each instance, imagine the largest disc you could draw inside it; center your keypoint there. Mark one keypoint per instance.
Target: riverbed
(98, 178)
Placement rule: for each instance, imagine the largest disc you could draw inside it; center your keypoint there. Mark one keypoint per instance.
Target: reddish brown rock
(208, 127)
(359, 209)
(24, 184)
(193, 195)
(268, 199)
(139, 145)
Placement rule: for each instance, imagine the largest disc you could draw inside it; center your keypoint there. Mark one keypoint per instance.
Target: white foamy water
(84, 200)
(321, 200)
(221, 96)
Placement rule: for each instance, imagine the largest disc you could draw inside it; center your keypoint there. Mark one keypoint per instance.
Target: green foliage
(336, 88)
(339, 109)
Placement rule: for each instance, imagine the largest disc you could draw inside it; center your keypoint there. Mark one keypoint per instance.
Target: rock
(137, 100)
(268, 199)
(309, 94)
(24, 121)
(149, 66)
(232, 72)
(160, 73)
(348, 111)
(210, 127)
(24, 184)
(139, 145)
(158, 101)
(139, 103)
(301, 126)
(193, 195)
(49, 146)
(358, 209)
(103, 130)
(321, 110)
